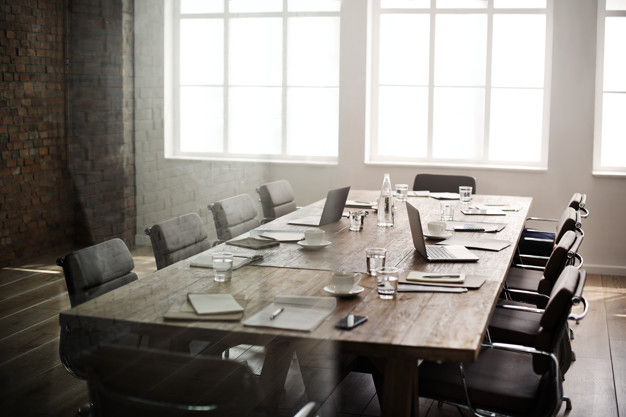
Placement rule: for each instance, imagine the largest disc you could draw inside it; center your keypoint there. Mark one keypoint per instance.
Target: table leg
(278, 355)
(400, 395)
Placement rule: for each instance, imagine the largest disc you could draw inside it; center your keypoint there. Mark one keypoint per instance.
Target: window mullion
(431, 81)
(226, 81)
(488, 57)
(284, 80)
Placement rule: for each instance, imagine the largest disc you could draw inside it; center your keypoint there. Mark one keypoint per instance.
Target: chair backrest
(126, 381)
(439, 183)
(579, 203)
(277, 199)
(234, 216)
(570, 220)
(555, 315)
(97, 269)
(563, 254)
(177, 239)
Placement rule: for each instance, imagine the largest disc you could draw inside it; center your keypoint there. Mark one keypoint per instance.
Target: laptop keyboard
(438, 252)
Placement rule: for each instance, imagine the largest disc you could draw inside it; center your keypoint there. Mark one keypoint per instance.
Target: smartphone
(348, 323)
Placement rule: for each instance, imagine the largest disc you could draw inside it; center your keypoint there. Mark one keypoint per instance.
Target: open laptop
(433, 253)
(333, 209)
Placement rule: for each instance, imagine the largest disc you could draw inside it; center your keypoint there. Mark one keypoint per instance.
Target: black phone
(347, 323)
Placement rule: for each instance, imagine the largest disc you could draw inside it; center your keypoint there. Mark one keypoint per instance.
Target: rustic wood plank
(39, 313)
(29, 337)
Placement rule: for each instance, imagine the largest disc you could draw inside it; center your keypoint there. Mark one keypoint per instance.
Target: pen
(276, 313)
(441, 276)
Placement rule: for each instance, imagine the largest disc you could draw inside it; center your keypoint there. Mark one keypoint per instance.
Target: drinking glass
(387, 281)
(446, 210)
(465, 194)
(375, 259)
(401, 191)
(222, 266)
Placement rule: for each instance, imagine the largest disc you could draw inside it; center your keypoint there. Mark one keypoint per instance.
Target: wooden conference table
(416, 325)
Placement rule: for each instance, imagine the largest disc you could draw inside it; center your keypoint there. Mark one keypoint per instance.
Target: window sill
(259, 159)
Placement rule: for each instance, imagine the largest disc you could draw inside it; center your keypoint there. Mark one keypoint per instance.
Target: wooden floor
(34, 383)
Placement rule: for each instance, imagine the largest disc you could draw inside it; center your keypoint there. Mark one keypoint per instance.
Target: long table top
(436, 326)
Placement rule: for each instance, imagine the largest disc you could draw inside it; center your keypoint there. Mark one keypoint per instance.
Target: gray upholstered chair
(234, 216)
(511, 379)
(177, 239)
(439, 183)
(277, 199)
(89, 273)
(96, 270)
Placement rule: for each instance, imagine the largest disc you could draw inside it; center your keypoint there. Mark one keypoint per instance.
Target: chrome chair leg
(568, 403)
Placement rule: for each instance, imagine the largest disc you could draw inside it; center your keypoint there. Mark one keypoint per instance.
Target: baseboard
(605, 269)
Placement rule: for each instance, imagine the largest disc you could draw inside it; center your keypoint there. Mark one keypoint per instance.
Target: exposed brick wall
(35, 197)
(101, 135)
(66, 128)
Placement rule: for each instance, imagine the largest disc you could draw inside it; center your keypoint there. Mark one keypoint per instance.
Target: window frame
(172, 87)
(598, 168)
(482, 161)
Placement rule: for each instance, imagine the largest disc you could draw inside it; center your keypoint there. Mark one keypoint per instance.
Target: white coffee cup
(344, 281)
(314, 237)
(436, 228)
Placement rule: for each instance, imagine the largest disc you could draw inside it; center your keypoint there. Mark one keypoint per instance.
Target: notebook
(333, 209)
(448, 253)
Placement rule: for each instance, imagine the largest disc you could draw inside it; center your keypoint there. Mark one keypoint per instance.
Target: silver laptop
(435, 253)
(333, 209)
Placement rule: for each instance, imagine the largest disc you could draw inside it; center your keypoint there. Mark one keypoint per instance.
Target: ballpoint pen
(276, 313)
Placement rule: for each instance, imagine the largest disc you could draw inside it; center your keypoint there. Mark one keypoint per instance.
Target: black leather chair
(536, 245)
(439, 183)
(513, 380)
(142, 382)
(177, 239)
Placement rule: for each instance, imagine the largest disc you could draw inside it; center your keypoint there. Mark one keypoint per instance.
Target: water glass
(401, 191)
(222, 266)
(356, 220)
(446, 210)
(387, 282)
(465, 194)
(375, 258)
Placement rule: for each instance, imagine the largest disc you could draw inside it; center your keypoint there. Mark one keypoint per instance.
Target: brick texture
(35, 198)
(66, 125)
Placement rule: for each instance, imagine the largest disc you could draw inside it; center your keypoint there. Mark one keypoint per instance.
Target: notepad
(187, 312)
(205, 260)
(299, 313)
(214, 303)
(284, 235)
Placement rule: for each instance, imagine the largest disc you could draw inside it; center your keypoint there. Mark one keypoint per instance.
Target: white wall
(166, 188)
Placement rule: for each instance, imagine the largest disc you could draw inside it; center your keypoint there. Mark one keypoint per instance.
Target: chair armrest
(578, 317)
(307, 411)
(520, 308)
(526, 266)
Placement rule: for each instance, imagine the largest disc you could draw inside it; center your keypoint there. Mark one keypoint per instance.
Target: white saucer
(357, 289)
(442, 236)
(309, 246)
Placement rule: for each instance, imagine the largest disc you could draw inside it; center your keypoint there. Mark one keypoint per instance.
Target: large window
(610, 123)
(255, 79)
(460, 82)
